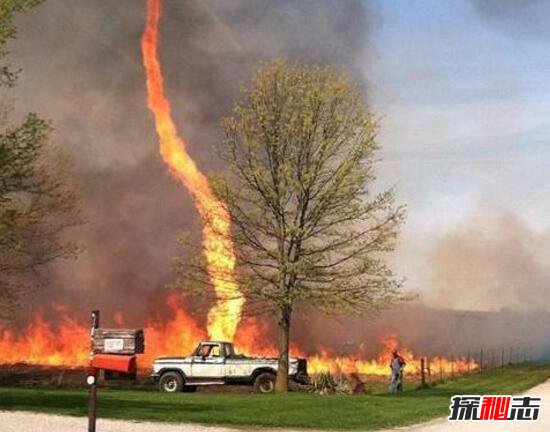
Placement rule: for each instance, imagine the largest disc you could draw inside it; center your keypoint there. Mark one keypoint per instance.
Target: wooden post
(453, 367)
(510, 359)
(502, 358)
(493, 362)
(92, 396)
(440, 370)
(481, 360)
(468, 364)
(422, 372)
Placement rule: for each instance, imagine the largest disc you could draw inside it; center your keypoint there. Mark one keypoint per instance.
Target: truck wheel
(171, 382)
(264, 383)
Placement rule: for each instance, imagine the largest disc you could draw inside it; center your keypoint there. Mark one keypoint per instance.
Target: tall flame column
(225, 315)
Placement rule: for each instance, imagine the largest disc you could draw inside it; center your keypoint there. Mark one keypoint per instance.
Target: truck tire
(264, 383)
(171, 382)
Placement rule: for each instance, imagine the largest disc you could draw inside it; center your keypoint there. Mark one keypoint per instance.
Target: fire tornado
(224, 316)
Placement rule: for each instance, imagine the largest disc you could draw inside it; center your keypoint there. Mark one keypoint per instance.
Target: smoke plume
(82, 69)
(492, 260)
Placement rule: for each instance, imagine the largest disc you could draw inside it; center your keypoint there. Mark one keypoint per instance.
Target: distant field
(374, 411)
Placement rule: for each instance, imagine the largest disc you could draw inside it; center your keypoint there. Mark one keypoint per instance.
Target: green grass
(296, 410)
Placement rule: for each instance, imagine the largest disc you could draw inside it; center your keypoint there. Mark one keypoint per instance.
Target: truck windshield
(203, 350)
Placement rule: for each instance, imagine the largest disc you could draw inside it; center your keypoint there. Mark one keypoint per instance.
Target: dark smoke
(432, 331)
(82, 69)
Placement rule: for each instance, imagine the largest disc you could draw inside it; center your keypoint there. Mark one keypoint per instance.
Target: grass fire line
(64, 344)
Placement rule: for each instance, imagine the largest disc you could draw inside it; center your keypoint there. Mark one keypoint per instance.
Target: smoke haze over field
(82, 69)
(447, 144)
(490, 261)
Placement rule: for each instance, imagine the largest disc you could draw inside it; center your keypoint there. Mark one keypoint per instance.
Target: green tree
(37, 198)
(307, 227)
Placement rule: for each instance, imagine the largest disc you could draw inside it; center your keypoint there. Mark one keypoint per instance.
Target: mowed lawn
(297, 410)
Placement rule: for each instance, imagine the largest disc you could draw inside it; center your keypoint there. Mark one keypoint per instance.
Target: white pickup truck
(215, 363)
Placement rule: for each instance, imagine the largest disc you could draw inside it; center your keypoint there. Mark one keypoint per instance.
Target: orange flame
(251, 340)
(66, 344)
(41, 343)
(324, 362)
(225, 314)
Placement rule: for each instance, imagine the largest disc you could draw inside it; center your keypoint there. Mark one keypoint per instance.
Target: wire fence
(438, 368)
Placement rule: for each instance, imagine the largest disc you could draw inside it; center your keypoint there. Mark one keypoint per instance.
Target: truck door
(208, 362)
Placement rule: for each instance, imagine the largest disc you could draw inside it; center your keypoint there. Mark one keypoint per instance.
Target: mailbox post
(113, 351)
(91, 378)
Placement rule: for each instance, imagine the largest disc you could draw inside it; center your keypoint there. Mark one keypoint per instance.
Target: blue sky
(465, 102)
(465, 106)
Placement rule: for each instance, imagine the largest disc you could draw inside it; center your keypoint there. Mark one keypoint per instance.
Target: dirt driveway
(31, 422)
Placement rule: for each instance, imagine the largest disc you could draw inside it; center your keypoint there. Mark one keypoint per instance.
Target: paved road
(20, 421)
(541, 425)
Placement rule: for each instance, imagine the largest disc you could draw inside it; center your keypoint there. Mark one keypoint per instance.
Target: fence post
(452, 367)
(468, 364)
(422, 372)
(502, 359)
(481, 360)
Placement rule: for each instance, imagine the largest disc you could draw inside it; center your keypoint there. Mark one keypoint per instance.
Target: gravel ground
(19, 421)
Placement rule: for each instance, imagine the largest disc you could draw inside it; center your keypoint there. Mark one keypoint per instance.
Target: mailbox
(118, 341)
(115, 363)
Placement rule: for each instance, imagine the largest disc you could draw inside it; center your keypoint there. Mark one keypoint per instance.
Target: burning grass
(66, 344)
(294, 410)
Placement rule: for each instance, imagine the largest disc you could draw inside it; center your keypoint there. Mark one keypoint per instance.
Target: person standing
(397, 365)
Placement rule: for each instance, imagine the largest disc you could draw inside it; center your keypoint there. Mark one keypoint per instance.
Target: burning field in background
(67, 344)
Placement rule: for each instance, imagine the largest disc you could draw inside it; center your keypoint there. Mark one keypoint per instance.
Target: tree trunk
(281, 384)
